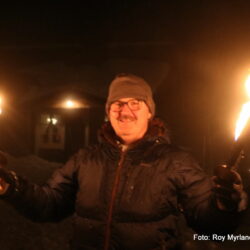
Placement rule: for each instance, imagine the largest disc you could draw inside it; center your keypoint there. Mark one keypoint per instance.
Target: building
(52, 124)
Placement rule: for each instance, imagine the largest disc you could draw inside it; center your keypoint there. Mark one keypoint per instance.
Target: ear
(149, 115)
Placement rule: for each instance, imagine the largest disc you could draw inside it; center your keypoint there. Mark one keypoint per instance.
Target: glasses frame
(128, 103)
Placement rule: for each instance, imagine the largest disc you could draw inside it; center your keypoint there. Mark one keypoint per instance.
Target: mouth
(126, 119)
(126, 123)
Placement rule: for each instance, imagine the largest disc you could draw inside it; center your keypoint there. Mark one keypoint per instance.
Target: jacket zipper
(112, 201)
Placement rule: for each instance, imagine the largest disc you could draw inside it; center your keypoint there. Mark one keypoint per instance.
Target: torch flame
(1, 111)
(244, 114)
(242, 121)
(247, 85)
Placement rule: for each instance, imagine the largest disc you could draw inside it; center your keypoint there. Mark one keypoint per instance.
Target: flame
(1, 110)
(242, 121)
(247, 85)
(245, 112)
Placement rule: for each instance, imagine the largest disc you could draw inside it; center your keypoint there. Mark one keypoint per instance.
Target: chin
(126, 125)
(127, 140)
(126, 132)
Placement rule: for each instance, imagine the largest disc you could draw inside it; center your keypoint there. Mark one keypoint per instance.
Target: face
(129, 120)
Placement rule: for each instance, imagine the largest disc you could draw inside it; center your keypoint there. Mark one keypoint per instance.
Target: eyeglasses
(133, 104)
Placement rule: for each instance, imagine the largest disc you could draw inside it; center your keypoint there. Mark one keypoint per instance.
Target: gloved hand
(6, 178)
(4, 183)
(228, 189)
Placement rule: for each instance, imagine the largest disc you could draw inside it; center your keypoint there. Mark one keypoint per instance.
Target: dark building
(53, 125)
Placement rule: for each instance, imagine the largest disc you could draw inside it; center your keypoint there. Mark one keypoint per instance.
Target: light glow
(243, 119)
(54, 121)
(1, 101)
(70, 104)
(244, 114)
(247, 85)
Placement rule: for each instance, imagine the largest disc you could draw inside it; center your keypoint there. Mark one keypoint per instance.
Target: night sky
(195, 54)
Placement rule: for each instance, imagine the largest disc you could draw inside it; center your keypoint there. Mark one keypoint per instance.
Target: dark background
(195, 55)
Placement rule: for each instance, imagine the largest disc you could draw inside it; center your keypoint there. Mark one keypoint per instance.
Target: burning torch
(242, 133)
(229, 189)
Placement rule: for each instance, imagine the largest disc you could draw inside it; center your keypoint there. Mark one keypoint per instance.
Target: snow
(17, 232)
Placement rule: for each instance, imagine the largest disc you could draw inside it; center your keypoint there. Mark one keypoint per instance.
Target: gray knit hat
(128, 85)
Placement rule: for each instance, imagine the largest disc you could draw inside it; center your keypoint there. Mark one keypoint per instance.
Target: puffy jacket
(126, 199)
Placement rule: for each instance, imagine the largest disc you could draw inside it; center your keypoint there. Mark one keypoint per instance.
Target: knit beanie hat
(128, 85)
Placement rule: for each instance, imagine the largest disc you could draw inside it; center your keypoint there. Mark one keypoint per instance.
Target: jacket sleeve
(51, 202)
(197, 199)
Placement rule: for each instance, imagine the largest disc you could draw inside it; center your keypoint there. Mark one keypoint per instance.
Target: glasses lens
(116, 106)
(133, 105)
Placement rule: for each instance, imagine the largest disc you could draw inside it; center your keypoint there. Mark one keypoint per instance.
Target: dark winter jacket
(127, 200)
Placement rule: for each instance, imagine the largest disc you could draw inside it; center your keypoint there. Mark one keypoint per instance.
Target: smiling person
(130, 107)
(128, 191)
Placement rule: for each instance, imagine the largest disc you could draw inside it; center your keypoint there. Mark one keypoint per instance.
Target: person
(128, 191)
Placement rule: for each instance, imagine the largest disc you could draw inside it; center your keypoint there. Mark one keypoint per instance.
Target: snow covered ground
(19, 233)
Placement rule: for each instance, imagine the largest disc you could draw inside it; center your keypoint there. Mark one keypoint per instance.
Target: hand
(3, 186)
(4, 175)
(228, 189)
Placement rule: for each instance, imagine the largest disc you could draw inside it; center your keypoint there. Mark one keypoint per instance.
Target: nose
(125, 109)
